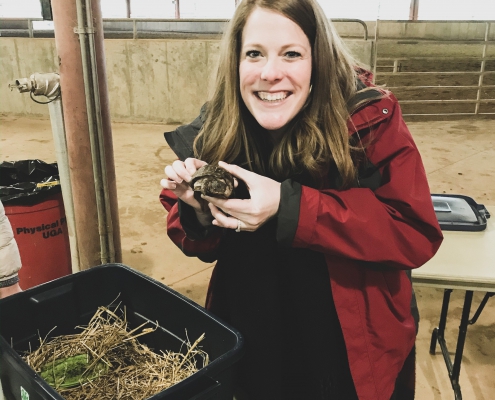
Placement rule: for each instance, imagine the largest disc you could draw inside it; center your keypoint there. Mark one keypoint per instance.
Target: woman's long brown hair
(318, 136)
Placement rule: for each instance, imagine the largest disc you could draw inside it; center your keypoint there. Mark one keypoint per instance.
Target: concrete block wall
(149, 80)
(159, 80)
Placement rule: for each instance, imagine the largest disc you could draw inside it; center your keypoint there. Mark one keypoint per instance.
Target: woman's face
(275, 68)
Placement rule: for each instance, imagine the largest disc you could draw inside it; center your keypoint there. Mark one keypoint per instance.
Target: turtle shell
(214, 181)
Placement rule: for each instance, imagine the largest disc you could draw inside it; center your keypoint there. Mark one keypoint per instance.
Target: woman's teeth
(266, 96)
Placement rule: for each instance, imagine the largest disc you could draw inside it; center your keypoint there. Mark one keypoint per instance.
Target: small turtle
(212, 180)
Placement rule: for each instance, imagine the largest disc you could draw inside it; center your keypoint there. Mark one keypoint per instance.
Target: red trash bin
(43, 240)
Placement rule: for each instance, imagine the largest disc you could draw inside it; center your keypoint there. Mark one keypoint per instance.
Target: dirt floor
(458, 156)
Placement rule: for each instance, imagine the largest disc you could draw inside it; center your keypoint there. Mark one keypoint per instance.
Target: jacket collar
(371, 113)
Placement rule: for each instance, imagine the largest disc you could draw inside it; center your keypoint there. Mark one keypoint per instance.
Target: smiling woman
(290, 57)
(330, 208)
(275, 69)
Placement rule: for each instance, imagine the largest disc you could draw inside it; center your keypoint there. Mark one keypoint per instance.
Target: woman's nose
(272, 71)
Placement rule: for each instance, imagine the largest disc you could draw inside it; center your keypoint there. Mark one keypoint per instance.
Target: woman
(332, 208)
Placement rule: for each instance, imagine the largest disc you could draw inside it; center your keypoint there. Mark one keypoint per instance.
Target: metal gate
(438, 68)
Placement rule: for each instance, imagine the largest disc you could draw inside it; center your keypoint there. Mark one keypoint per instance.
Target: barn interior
(158, 74)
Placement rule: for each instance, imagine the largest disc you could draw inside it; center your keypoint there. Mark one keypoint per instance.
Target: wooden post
(413, 10)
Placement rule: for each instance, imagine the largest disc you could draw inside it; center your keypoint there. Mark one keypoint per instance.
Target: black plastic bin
(72, 300)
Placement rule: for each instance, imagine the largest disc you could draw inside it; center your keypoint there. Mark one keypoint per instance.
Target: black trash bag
(28, 181)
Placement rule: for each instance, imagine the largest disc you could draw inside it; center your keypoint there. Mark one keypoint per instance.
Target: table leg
(456, 368)
(438, 333)
(453, 369)
(480, 308)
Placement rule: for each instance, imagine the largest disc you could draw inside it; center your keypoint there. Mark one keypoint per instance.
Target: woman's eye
(292, 54)
(253, 54)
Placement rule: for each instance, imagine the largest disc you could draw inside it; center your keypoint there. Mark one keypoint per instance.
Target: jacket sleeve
(393, 226)
(183, 227)
(10, 259)
(186, 232)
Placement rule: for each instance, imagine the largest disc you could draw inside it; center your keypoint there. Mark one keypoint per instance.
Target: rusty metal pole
(77, 131)
(107, 128)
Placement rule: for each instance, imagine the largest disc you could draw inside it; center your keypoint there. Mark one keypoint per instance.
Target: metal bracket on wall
(87, 30)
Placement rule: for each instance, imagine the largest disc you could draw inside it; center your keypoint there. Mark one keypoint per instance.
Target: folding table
(465, 261)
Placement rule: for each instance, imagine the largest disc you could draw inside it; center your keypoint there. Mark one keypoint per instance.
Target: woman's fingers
(238, 172)
(262, 205)
(229, 206)
(168, 184)
(228, 221)
(220, 218)
(192, 165)
(181, 171)
(172, 174)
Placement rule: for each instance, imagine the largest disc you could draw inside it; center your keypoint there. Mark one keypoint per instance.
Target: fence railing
(462, 83)
(138, 28)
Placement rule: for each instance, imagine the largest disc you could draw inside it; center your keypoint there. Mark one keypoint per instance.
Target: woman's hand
(179, 175)
(248, 214)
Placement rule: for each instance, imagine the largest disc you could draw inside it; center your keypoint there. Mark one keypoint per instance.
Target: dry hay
(105, 361)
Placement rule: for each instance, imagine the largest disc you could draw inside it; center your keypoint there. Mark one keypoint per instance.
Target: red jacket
(369, 238)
